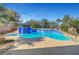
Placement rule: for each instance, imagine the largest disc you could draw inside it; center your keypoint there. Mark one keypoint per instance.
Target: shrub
(64, 27)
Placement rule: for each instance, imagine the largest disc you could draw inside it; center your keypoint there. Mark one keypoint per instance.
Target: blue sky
(50, 11)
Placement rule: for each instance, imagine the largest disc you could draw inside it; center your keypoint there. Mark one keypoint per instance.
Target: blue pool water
(51, 34)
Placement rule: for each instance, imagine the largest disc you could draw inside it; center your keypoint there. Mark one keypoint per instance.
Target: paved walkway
(65, 50)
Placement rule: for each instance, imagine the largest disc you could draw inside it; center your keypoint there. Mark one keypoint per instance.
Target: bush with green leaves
(64, 27)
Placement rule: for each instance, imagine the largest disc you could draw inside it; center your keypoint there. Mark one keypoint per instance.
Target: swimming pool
(51, 34)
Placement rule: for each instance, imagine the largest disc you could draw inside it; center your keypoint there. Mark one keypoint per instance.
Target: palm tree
(45, 23)
(58, 22)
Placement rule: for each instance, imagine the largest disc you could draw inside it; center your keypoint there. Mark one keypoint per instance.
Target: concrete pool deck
(46, 42)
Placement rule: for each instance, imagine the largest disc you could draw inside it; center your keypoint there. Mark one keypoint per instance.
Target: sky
(38, 11)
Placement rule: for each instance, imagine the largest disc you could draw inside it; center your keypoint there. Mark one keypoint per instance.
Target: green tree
(9, 18)
(53, 25)
(66, 19)
(74, 23)
(66, 22)
(34, 24)
(45, 23)
(64, 27)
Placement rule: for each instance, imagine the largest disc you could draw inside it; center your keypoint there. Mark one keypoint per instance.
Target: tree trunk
(75, 37)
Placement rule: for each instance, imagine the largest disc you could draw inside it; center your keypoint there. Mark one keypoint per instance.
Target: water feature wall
(29, 30)
(49, 30)
(26, 30)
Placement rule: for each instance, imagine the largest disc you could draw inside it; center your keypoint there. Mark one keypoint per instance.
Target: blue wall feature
(24, 31)
(34, 30)
(19, 30)
(29, 30)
